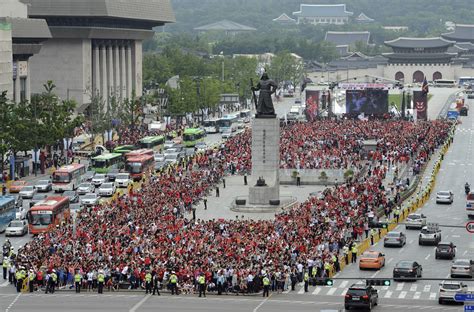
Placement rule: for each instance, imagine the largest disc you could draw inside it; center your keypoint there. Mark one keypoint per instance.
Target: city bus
(466, 81)
(444, 83)
(103, 163)
(122, 149)
(139, 165)
(246, 115)
(7, 211)
(48, 214)
(211, 125)
(139, 152)
(228, 122)
(152, 142)
(193, 135)
(68, 178)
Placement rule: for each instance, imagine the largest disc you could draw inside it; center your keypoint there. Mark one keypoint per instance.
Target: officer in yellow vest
(314, 271)
(202, 284)
(327, 268)
(53, 278)
(148, 278)
(100, 281)
(396, 213)
(78, 281)
(19, 279)
(31, 280)
(266, 285)
(354, 252)
(5, 265)
(306, 281)
(373, 232)
(173, 283)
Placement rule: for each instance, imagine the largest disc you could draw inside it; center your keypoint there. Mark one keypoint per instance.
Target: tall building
(5, 56)
(96, 45)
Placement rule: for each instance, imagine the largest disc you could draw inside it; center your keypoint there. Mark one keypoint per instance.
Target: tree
(286, 67)
(6, 122)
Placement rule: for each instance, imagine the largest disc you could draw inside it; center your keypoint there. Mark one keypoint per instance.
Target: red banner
(420, 100)
(312, 104)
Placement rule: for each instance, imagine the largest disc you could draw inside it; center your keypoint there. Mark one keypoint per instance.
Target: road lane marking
(410, 242)
(429, 255)
(402, 295)
(261, 303)
(389, 260)
(344, 292)
(401, 250)
(400, 286)
(413, 287)
(432, 296)
(456, 236)
(375, 274)
(452, 230)
(343, 284)
(331, 291)
(301, 291)
(317, 290)
(417, 295)
(385, 287)
(427, 288)
(388, 294)
(6, 283)
(13, 302)
(464, 253)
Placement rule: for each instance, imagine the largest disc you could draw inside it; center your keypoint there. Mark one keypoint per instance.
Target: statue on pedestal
(267, 87)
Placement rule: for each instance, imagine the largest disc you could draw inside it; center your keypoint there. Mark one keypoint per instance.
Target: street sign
(464, 297)
(470, 227)
(468, 308)
(452, 114)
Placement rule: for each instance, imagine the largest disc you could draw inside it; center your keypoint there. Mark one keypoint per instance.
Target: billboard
(368, 101)
(312, 104)
(420, 100)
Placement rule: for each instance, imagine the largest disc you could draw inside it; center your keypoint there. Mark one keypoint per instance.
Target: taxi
(371, 260)
(16, 186)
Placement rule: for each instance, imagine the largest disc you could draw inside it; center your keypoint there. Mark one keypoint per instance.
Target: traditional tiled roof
(403, 42)
(347, 38)
(466, 45)
(225, 25)
(284, 19)
(462, 32)
(323, 10)
(143, 10)
(363, 18)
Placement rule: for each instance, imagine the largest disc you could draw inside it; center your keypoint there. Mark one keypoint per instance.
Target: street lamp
(223, 59)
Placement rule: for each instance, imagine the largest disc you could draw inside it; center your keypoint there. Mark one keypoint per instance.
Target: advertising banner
(420, 101)
(367, 101)
(312, 104)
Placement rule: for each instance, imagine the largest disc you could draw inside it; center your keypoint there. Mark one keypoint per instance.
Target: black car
(361, 296)
(446, 250)
(407, 270)
(112, 174)
(73, 197)
(37, 198)
(463, 111)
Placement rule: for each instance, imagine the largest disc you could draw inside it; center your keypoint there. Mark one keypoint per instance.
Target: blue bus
(228, 123)
(7, 211)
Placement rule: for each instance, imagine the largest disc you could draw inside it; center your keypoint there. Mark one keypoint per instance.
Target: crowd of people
(148, 234)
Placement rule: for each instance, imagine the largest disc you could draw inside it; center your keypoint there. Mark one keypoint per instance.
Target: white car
(168, 144)
(227, 134)
(85, 188)
(90, 199)
(448, 289)
(44, 186)
(122, 180)
(17, 228)
(201, 146)
(444, 197)
(28, 192)
(106, 189)
(98, 179)
(172, 158)
(159, 157)
(429, 235)
(415, 221)
(20, 213)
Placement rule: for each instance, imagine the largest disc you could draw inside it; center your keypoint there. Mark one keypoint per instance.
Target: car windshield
(444, 193)
(40, 219)
(17, 183)
(39, 196)
(450, 286)
(43, 182)
(99, 177)
(405, 264)
(370, 255)
(357, 292)
(122, 176)
(61, 177)
(106, 185)
(427, 231)
(16, 224)
(84, 185)
(27, 189)
(393, 234)
(90, 196)
(69, 194)
(414, 217)
(462, 262)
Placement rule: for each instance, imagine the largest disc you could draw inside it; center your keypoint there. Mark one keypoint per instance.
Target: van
(470, 205)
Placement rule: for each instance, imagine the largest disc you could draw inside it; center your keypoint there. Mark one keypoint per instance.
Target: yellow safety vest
(77, 278)
(327, 266)
(148, 277)
(18, 275)
(23, 274)
(173, 279)
(100, 278)
(201, 280)
(5, 263)
(306, 276)
(354, 249)
(266, 281)
(32, 276)
(314, 271)
(54, 277)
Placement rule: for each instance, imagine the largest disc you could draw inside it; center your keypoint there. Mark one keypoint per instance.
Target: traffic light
(329, 282)
(378, 282)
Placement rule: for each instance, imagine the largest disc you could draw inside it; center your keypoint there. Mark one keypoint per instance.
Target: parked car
(112, 174)
(85, 188)
(462, 267)
(397, 239)
(17, 186)
(172, 158)
(87, 177)
(444, 197)
(361, 296)
(168, 144)
(429, 235)
(159, 157)
(201, 146)
(73, 197)
(98, 179)
(407, 269)
(372, 260)
(445, 250)
(90, 199)
(227, 134)
(44, 186)
(415, 221)
(448, 289)
(17, 228)
(37, 198)
(27, 191)
(106, 189)
(20, 213)
(123, 180)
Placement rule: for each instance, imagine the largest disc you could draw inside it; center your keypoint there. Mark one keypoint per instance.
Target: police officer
(156, 284)
(31, 280)
(396, 213)
(5, 265)
(100, 280)
(266, 285)
(345, 251)
(53, 278)
(173, 283)
(19, 280)
(373, 232)
(354, 252)
(202, 285)
(148, 279)
(78, 281)
(306, 281)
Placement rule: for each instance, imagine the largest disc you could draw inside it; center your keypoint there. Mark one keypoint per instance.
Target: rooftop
(363, 18)
(225, 25)
(323, 10)
(29, 28)
(462, 32)
(142, 10)
(404, 42)
(347, 38)
(284, 19)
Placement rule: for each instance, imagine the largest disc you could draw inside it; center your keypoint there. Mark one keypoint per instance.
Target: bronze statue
(267, 87)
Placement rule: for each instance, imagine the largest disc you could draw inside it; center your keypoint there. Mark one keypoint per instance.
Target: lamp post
(223, 62)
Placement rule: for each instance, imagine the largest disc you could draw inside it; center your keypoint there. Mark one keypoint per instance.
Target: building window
(22, 89)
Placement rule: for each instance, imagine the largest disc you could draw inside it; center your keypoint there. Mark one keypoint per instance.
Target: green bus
(123, 149)
(193, 135)
(152, 142)
(103, 163)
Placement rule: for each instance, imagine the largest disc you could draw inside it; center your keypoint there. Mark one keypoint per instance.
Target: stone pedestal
(265, 161)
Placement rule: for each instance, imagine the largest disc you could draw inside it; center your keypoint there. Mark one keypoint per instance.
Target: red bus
(139, 152)
(139, 165)
(48, 213)
(68, 178)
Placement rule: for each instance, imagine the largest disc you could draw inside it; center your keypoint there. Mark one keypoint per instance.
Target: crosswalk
(404, 291)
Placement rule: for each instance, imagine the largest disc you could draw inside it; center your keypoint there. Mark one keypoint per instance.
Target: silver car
(394, 239)
(159, 157)
(98, 179)
(44, 186)
(106, 189)
(462, 267)
(90, 199)
(85, 188)
(27, 191)
(123, 180)
(415, 221)
(448, 289)
(444, 197)
(17, 228)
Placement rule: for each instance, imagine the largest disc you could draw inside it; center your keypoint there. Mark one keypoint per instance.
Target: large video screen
(368, 101)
